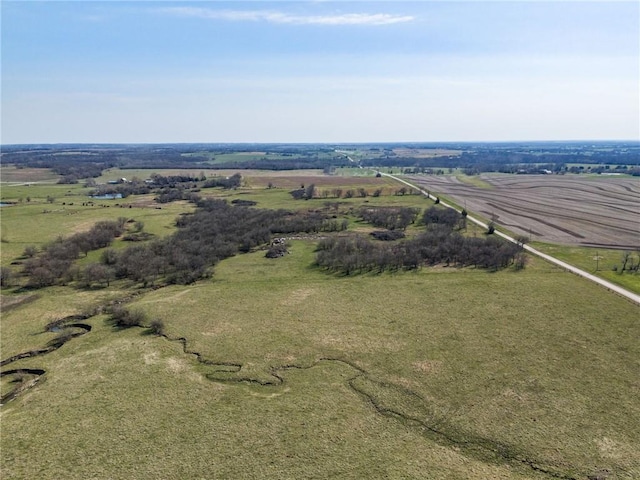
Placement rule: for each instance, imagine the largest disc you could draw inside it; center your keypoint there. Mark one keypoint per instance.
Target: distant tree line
(306, 193)
(300, 163)
(75, 162)
(510, 160)
(157, 180)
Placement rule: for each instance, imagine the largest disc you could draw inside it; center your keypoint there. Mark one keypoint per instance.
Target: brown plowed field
(596, 211)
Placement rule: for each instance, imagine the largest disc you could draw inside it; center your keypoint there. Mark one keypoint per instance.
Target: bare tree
(97, 273)
(6, 276)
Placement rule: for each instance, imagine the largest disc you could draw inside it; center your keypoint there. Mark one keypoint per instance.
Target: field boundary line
(608, 285)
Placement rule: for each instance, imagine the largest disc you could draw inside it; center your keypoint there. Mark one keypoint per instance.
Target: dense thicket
(444, 216)
(391, 218)
(387, 235)
(440, 243)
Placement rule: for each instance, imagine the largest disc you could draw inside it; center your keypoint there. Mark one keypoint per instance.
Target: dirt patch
(297, 297)
(176, 365)
(613, 449)
(9, 302)
(428, 366)
(150, 358)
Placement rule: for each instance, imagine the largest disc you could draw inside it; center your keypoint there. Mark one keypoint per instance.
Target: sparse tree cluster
(629, 262)
(304, 193)
(169, 194)
(234, 181)
(6, 276)
(53, 264)
(217, 230)
(123, 317)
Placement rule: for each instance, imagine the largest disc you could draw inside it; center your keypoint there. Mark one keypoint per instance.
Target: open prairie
(275, 368)
(592, 211)
(442, 373)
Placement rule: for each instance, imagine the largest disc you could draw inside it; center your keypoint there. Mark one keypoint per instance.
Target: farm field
(11, 175)
(274, 368)
(568, 209)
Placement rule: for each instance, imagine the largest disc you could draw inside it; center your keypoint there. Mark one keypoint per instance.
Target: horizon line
(387, 142)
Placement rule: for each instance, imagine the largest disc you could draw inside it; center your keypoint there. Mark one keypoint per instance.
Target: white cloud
(371, 19)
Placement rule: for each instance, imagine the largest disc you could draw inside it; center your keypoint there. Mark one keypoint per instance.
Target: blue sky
(319, 71)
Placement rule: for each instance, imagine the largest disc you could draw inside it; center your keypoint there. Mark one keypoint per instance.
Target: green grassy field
(38, 223)
(605, 263)
(475, 181)
(440, 373)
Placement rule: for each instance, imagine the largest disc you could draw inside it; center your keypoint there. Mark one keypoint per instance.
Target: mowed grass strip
(603, 262)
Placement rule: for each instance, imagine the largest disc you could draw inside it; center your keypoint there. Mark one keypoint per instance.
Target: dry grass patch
(11, 174)
(501, 356)
(8, 302)
(428, 366)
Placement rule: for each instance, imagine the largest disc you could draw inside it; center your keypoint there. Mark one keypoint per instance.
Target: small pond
(108, 196)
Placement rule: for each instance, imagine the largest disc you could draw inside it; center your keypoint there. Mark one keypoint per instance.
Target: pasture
(287, 371)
